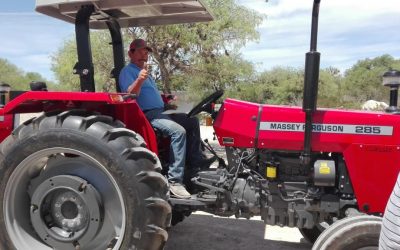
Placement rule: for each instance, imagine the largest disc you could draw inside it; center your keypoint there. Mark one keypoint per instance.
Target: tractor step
(194, 202)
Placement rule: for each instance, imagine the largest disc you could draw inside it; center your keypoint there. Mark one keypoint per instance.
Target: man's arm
(131, 82)
(136, 85)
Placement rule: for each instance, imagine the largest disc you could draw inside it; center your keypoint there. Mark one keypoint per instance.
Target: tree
(284, 85)
(62, 65)
(330, 81)
(363, 81)
(226, 72)
(203, 48)
(12, 75)
(17, 78)
(64, 60)
(181, 52)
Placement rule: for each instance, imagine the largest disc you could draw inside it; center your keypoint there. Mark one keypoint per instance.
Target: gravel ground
(203, 231)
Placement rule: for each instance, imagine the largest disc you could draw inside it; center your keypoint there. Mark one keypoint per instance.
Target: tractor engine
(278, 187)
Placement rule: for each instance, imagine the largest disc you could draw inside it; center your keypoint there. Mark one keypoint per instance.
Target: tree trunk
(165, 74)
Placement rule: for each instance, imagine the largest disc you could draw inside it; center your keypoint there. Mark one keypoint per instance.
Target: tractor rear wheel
(78, 180)
(351, 233)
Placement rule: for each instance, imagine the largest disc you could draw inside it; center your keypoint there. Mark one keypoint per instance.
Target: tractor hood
(129, 13)
(252, 125)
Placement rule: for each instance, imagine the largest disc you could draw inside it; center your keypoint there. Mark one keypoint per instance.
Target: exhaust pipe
(311, 76)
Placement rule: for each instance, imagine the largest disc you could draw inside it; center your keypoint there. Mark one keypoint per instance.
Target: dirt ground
(202, 231)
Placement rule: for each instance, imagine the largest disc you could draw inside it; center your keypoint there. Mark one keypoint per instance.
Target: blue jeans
(177, 133)
(194, 152)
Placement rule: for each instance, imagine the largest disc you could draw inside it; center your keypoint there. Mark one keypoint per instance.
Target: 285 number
(368, 130)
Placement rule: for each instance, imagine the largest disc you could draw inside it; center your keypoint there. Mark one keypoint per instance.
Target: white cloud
(31, 39)
(348, 31)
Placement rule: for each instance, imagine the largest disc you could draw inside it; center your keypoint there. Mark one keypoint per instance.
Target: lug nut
(77, 245)
(34, 208)
(82, 187)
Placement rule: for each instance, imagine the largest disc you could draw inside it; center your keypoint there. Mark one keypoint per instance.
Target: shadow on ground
(207, 232)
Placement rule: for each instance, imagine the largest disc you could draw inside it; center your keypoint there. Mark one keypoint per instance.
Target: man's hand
(135, 87)
(143, 74)
(170, 106)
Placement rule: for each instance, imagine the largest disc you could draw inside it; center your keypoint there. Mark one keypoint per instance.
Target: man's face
(139, 56)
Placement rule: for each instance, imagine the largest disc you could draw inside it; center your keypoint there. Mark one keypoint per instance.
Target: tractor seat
(38, 86)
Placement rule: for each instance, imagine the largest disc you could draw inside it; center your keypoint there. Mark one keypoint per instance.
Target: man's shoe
(205, 163)
(179, 191)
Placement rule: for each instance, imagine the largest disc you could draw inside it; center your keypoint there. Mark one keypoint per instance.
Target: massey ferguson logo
(328, 128)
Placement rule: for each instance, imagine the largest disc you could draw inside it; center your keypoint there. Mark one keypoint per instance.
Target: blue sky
(349, 31)
(28, 39)
(10, 6)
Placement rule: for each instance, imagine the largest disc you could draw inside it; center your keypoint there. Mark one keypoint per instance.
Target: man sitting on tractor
(183, 131)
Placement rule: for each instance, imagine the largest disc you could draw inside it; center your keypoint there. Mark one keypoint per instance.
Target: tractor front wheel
(78, 180)
(351, 233)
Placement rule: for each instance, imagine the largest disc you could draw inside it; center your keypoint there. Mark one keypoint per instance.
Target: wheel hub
(69, 211)
(65, 210)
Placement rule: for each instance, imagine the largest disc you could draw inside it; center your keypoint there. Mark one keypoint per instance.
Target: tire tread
(152, 186)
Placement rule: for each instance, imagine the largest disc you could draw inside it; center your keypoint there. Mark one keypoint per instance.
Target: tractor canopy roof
(128, 13)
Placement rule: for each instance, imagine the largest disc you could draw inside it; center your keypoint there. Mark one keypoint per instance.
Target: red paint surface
(373, 161)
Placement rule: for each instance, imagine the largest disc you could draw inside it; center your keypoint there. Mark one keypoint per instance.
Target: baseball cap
(138, 44)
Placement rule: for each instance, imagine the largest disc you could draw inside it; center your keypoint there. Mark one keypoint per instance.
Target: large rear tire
(351, 233)
(76, 180)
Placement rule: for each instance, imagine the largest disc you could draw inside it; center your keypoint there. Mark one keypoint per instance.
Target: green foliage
(17, 78)
(189, 56)
(10, 74)
(252, 92)
(284, 85)
(200, 58)
(203, 48)
(363, 81)
(276, 86)
(226, 72)
(360, 83)
(64, 60)
(330, 81)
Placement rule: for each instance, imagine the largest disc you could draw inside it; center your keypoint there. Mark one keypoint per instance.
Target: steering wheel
(205, 105)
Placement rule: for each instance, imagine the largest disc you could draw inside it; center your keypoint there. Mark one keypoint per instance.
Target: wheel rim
(64, 199)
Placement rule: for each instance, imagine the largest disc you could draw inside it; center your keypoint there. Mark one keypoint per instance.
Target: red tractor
(86, 174)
